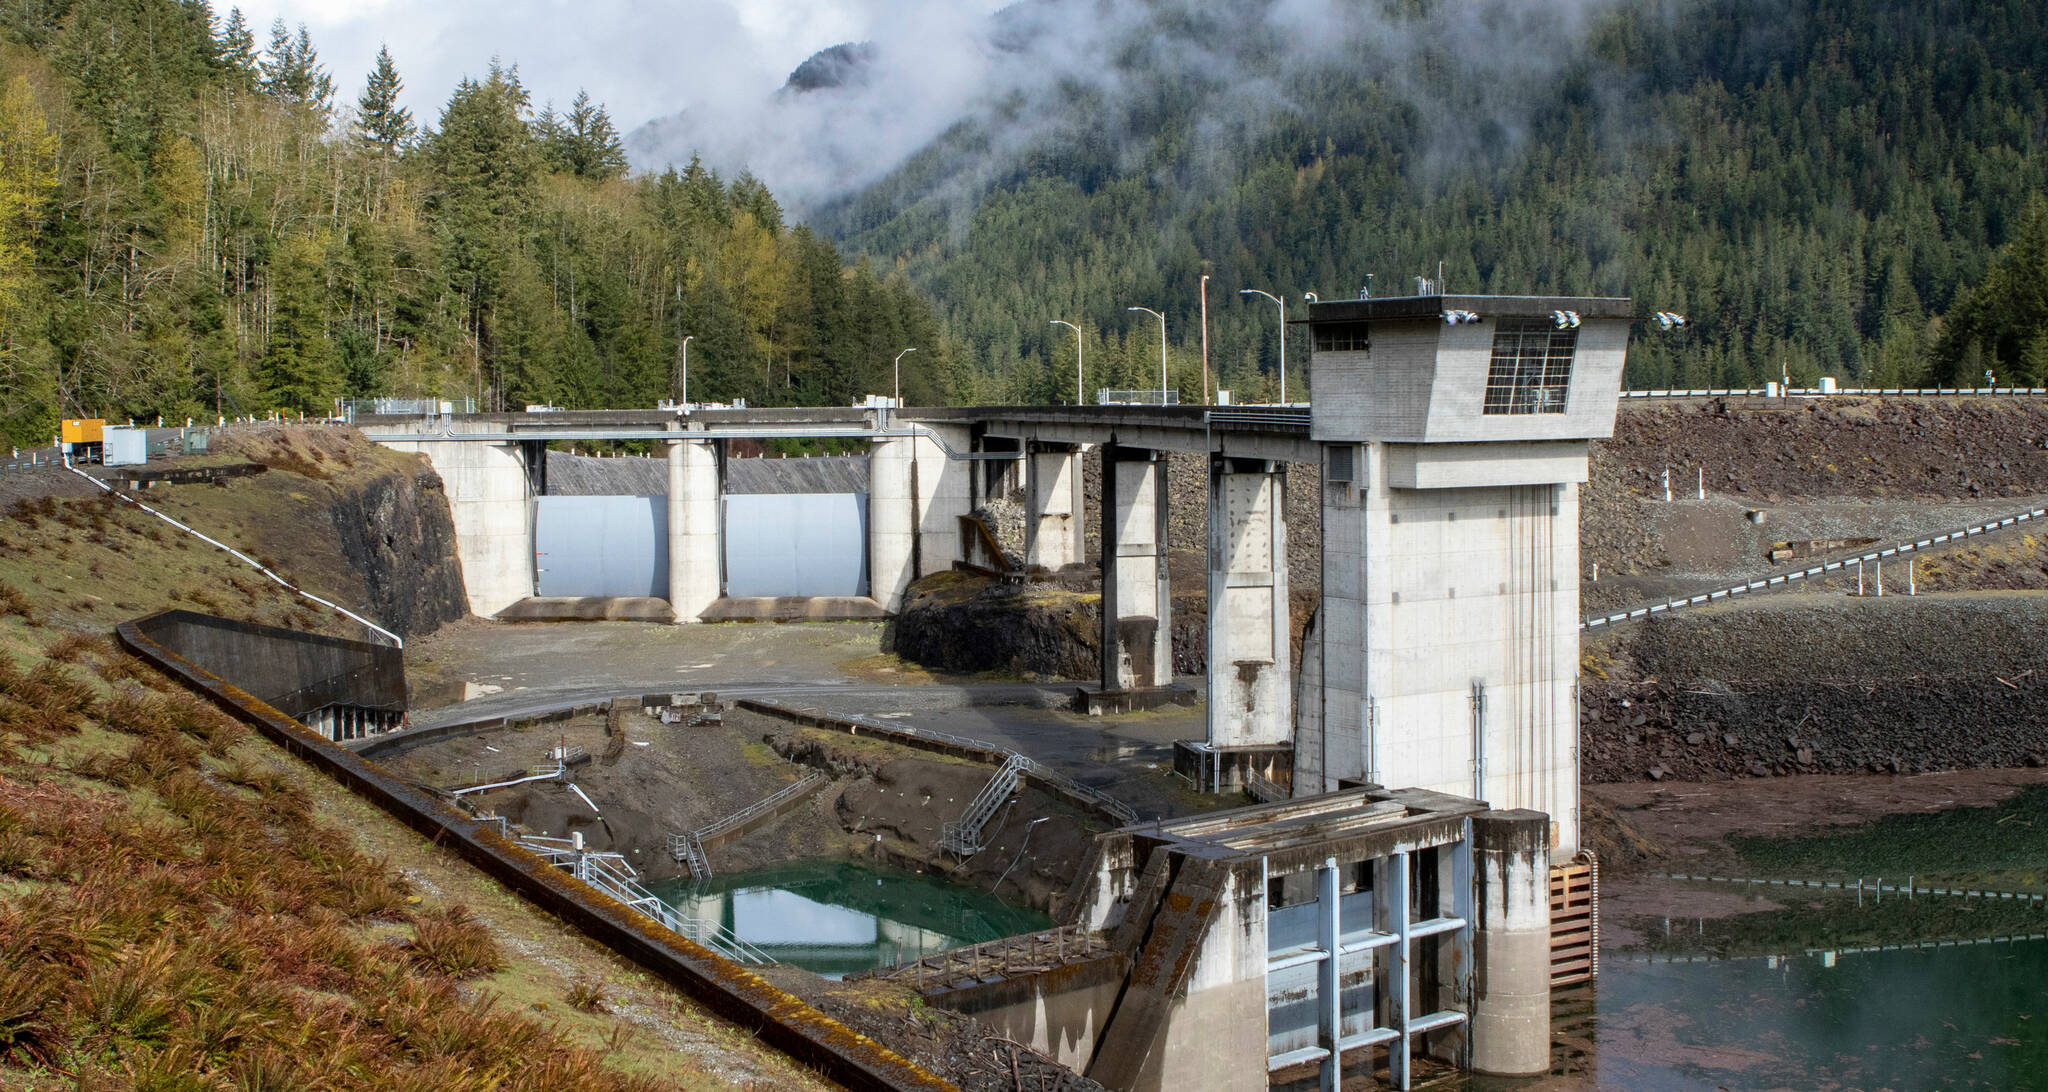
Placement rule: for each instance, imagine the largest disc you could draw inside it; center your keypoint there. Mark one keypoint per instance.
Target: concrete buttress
(1054, 508)
(1137, 624)
(490, 499)
(695, 560)
(1250, 689)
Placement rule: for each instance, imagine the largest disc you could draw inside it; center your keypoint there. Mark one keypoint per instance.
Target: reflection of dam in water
(839, 917)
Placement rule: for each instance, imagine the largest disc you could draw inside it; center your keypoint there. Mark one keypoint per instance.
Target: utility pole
(1205, 338)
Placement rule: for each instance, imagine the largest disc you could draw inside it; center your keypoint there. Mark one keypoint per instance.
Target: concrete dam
(1393, 897)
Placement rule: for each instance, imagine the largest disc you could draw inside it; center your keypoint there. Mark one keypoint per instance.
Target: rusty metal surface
(777, 1017)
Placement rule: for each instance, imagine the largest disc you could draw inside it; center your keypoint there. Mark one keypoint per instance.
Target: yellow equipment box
(87, 431)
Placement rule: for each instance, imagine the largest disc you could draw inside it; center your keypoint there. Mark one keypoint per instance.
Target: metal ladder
(689, 852)
(962, 837)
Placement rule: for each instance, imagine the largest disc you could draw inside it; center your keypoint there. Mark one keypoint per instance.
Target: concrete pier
(490, 499)
(1251, 693)
(695, 540)
(1054, 511)
(1137, 636)
(1511, 940)
(916, 496)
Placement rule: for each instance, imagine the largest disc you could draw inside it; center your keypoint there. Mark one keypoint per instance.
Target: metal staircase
(962, 837)
(688, 851)
(609, 873)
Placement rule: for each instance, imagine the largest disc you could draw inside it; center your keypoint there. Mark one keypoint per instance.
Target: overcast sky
(642, 59)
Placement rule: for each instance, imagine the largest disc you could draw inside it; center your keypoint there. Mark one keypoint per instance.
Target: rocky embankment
(1819, 685)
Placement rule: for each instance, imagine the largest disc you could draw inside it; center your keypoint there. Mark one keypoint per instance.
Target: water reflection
(1974, 1016)
(836, 917)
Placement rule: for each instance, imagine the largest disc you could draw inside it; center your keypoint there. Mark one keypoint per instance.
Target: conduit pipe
(396, 640)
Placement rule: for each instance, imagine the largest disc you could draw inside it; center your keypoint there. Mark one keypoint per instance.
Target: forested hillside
(1816, 184)
(193, 226)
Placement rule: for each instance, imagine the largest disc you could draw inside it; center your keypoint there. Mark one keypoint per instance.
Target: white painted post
(1667, 485)
(1859, 576)
(1329, 995)
(1880, 578)
(1911, 564)
(1703, 483)
(1596, 572)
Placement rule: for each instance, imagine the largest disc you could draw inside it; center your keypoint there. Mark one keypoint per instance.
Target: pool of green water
(836, 917)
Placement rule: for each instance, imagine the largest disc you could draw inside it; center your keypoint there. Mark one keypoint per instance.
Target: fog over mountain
(996, 83)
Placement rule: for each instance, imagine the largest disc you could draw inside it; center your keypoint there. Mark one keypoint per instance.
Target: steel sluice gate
(796, 544)
(776, 544)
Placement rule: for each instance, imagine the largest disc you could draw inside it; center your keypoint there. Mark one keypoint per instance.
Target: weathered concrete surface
(695, 539)
(588, 608)
(1511, 943)
(1251, 696)
(490, 501)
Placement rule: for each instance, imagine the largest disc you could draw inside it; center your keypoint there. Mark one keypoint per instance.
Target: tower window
(1532, 367)
(1342, 337)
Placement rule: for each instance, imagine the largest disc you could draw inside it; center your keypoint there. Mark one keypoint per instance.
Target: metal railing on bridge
(1155, 397)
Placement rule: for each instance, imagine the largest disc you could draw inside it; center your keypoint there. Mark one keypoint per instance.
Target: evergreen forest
(1841, 187)
(196, 225)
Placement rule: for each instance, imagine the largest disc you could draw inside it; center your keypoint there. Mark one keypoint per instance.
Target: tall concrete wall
(1449, 639)
(695, 560)
(1054, 511)
(292, 671)
(1137, 602)
(491, 501)
(1251, 694)
(916, 496)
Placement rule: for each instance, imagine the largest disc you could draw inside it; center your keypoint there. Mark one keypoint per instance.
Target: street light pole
(899, 378)
(1078, 400)
(1283, 335)
(1162, 348)
(686, 368)
(1204, 286)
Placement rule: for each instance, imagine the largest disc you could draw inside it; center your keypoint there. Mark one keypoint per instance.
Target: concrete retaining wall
(735, 994)
(296, 672)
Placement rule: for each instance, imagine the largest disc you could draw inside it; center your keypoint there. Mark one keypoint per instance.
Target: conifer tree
(291, 69)
(383, 123)
(298, 371)
(236, 52)
(593, 146)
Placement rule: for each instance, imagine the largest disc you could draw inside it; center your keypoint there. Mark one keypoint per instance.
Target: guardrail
(1784, 579)
(1816, 392)
(1289, 420)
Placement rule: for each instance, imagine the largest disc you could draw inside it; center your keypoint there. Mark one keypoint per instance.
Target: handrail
(962, 836)
(809, 781)
(1785, 579)
(609, 873)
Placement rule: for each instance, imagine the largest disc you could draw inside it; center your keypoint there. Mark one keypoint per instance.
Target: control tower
(1455, 433)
